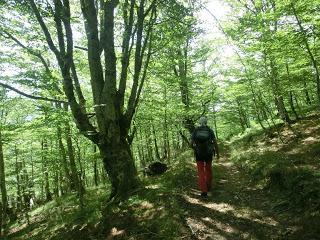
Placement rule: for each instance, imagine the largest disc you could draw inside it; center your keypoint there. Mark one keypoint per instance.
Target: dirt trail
(234, 209)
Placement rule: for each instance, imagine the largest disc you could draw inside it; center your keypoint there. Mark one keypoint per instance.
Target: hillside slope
(263, 188)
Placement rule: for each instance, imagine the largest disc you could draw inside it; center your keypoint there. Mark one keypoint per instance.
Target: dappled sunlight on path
(233, 210)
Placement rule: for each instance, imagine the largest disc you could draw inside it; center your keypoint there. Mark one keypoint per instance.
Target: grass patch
(287, 168)
(62, 218)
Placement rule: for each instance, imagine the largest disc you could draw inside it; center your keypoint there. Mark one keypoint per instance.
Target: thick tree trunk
(108, 101)
(119, 165)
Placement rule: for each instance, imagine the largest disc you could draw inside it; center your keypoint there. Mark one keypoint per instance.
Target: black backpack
(203, 138)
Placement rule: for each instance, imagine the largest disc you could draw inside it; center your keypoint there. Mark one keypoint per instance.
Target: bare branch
(45, 30)
(29, 50)
(81, 48)
(31, 96)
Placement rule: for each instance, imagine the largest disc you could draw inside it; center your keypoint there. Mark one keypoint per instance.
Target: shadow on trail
(233, 210)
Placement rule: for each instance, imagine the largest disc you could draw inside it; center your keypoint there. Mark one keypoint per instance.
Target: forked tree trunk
(108, 96)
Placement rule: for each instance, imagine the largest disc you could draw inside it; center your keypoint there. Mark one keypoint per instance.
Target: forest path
(234, 209)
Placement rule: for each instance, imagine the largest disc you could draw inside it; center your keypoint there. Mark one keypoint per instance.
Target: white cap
(203, 121)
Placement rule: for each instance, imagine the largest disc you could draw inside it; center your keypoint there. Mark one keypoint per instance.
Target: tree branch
(81, 48)
(96, 71)
(137, 62)
(31, 96)
(126, 50)
(28, 49)
(148, 42)
(45, 30)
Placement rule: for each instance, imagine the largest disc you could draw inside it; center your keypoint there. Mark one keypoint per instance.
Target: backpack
(203, 139)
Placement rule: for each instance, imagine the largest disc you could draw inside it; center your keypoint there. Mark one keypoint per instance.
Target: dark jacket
(204, 151)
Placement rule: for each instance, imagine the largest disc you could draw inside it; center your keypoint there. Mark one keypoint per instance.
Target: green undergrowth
(284, 161)
(62, 218)
(153, 213)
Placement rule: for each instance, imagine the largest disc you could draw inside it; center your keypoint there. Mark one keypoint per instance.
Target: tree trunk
(67, 180)
(292, 106)
(277, 94)
(95, 167)
(298, 106)
(44, 145)
(4, 198)
(181, 71)
(113, 118)
(1, 217)
(18, 176)
(74, 173)
(311, 55)
(149, 146)
(306, 92)
(119, 165)
(155, 143)
(215, 123)
(255, 101)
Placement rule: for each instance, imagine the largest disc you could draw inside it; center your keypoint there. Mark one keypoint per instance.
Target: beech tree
(115, 93)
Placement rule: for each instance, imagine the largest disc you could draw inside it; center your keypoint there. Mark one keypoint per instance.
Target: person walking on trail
(205, 146)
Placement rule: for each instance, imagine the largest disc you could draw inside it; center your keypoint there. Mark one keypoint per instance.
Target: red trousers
(204, 175)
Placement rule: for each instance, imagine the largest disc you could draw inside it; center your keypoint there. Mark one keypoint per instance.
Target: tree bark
(119, 165)
(292, 106)
(44, 146)
(95, 167)
(70, 150)
(155, 143)
(63, 158)
(4, 197)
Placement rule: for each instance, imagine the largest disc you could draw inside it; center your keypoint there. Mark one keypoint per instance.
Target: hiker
(205, 146)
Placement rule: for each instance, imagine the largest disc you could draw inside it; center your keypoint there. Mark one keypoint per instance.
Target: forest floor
(238, 209)
(170, 206)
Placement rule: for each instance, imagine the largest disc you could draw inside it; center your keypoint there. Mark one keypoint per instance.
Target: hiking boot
(204, 194)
